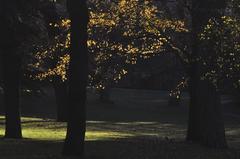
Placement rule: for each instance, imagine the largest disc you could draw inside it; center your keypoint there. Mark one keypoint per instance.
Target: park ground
(139, 125)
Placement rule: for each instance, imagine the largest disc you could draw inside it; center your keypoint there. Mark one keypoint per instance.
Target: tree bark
(206, 125)
(78, 77)
(11, 62)
(11, 80)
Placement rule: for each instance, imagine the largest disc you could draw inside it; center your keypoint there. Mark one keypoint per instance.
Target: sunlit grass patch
(49, 134)
(42, 129)
(48, 129)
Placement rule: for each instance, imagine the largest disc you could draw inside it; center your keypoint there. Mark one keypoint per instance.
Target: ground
(139, 125)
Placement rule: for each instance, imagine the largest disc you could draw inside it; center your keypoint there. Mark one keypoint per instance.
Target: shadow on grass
(128, 148)
(30, 120)
(48, 129)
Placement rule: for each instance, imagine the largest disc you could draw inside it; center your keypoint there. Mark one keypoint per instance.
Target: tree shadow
(141, 147)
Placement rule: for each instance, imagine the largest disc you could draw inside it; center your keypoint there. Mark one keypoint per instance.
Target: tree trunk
(11, 80)
(206, 125)
(78, 77)
(61, 95)
(213, 132)
(11, 62)
(194, 121)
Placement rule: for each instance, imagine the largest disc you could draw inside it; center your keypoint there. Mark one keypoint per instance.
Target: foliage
(119, 34)
(222, 65)
(234, 5)
(28, 26)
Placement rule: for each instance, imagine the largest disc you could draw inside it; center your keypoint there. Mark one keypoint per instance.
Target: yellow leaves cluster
(101, 19)
(91, 43)
(120, 75)
(59, 70)
(176, 25)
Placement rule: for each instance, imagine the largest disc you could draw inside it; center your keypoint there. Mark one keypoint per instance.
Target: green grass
(49, 130)
(43, 139)
(140, 125)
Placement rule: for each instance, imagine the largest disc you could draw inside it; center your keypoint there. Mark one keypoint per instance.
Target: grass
(139, 125)
(49, 130)
(43, 139)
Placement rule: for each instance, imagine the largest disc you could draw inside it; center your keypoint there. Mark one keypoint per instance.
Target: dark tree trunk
(213, 132)
(78, 77)
(206, 125)
(11, 62)
(194, 121)
(11, 80)
(61, 96)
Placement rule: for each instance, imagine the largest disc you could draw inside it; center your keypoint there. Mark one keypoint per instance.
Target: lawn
(139, 125)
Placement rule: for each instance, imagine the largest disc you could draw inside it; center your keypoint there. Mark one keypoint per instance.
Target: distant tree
(60, 85)
(78, 77)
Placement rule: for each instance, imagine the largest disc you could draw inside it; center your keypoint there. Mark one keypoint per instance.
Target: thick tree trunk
(206, 125)
(61, 96)
(11, 80)
(194, 121)
(213, 132)
(11, 62)
(78, 77)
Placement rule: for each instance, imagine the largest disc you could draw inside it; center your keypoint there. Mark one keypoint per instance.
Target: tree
(23, 32)
(131, 30)
(11, 61)
(223, 36)
(60, 86)
(206, 124)
(78, 77)
(47, 53)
